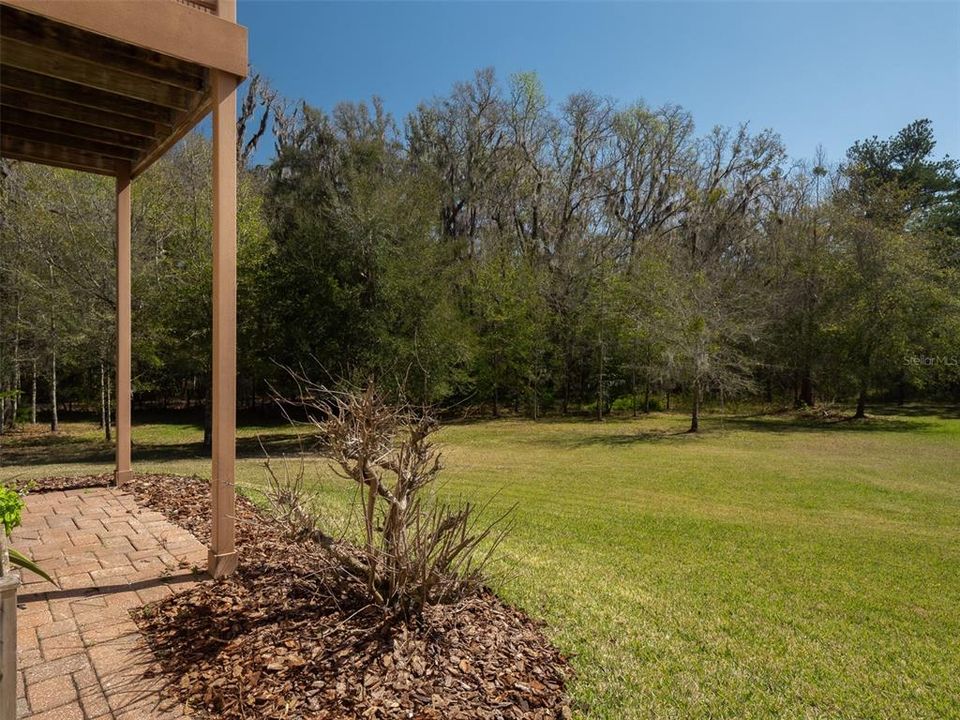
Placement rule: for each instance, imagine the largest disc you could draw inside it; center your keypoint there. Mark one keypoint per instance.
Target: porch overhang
(107, 86)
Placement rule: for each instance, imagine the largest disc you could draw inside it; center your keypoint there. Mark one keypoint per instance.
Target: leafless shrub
(415, 551)
(291, 502)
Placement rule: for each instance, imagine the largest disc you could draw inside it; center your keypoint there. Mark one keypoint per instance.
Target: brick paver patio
(80, 654)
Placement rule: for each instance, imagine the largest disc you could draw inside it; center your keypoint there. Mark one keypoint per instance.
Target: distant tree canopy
(501, 251)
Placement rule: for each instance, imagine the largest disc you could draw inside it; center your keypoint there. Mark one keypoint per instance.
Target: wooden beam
(123, 472)
(42, 33)
(44, 154)
(65, 110)
(26, 56)
(186, 125)
(168, 28)
(26, 118)
(223, 555)
(81, 95)
(67, 141)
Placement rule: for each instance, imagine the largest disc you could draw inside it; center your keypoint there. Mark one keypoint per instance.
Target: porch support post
(223, 558)
(8, 645)
(123, 470)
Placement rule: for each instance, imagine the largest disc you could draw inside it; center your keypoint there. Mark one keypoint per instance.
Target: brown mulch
(288, 636)
(76, 482)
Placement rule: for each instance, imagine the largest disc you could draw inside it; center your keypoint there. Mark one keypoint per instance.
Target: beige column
(123, 471)
(227, 9)
(222, 558)
(8, 645)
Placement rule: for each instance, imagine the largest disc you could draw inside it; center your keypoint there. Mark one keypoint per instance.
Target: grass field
(766, 568)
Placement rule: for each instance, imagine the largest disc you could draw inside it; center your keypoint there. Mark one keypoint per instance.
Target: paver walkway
(81, 656)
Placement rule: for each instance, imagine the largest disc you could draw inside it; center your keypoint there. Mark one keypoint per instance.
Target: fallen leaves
(289, 636)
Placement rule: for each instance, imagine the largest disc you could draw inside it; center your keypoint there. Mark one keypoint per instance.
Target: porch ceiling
(75, 98)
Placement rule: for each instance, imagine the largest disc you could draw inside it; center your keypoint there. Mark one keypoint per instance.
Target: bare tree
(714, 304)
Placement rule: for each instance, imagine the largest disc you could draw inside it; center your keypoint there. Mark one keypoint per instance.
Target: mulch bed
(51, 484)
(289, 636)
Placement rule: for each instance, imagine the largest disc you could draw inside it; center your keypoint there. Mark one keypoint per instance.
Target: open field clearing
(769, 567)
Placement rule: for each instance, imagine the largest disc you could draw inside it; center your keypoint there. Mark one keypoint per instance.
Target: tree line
(498, 250)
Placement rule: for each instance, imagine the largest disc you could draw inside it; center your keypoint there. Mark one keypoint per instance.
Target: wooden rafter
(18, 25)
(87, 73)
(66, 110)
(47, 154)
(186, 126)
(81, 131)
(68, 141)
(86, 92)
(57, 90)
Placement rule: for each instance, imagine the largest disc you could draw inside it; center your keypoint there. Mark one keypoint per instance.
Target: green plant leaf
(20, 560)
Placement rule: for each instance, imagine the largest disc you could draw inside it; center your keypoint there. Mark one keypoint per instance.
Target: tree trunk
(33, 394)
(54, 417)
(496, 385)
(633, 390)
(695, 415)
(806, 388)
(668, 399)
(646, 397)
(600, 383)
(3, 397)
(208, 420)
(861, 403)
(16, 366)
(108, 406)
(103, 397)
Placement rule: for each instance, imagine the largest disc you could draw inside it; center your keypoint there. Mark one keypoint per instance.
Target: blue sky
(816, 72)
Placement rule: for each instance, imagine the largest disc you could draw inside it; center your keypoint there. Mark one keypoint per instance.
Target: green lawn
(767, 568)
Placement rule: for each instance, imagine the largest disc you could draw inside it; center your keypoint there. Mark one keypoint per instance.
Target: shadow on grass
(67, 450)
(843, 424)
(620, 439)
(943, 412)
(713, 426)
(64, 449)
(619, 432)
